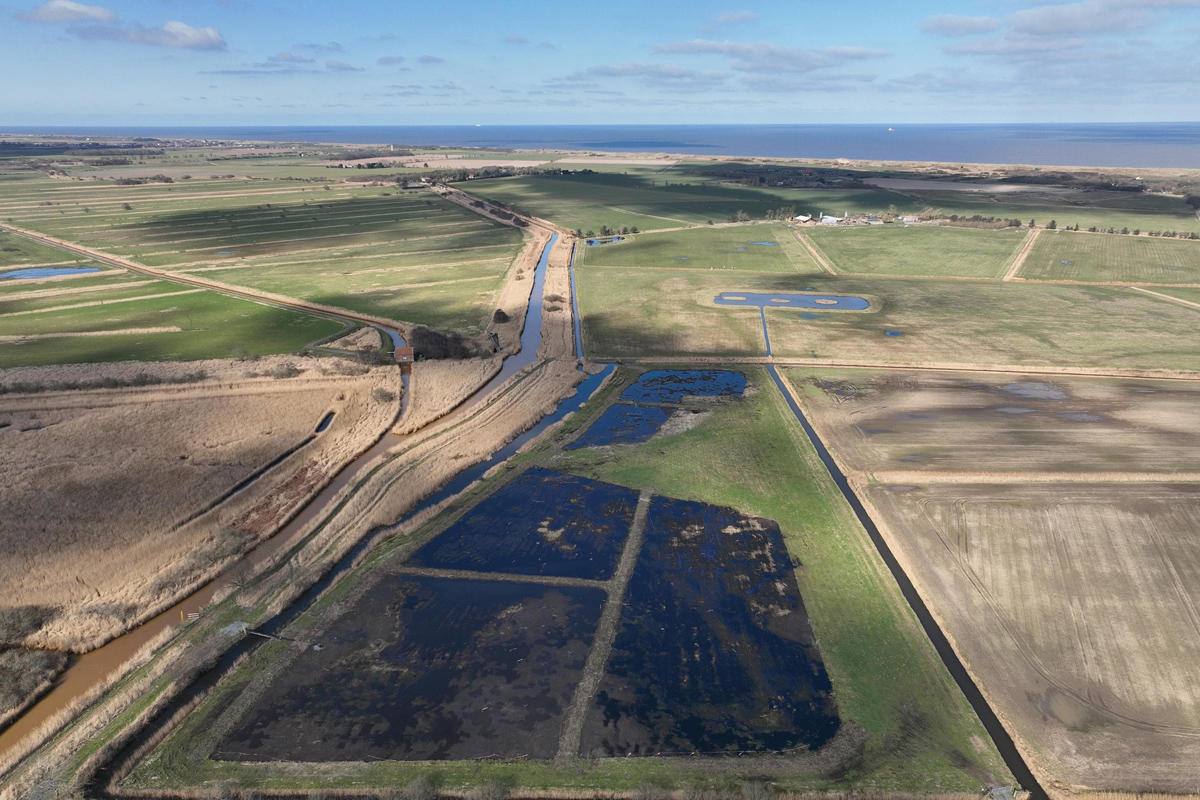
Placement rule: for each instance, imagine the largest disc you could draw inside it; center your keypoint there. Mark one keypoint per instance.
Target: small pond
(45, 272)
(826, 302)
(672, 385)
(622, 424)
(543, 523)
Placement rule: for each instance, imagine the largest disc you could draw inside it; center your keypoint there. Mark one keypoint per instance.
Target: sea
(1159, 144)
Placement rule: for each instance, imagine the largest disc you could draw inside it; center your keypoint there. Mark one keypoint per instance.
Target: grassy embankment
(920, 735)
(919, 251)
(1062, 255)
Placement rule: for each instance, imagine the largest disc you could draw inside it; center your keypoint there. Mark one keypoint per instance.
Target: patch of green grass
(929, 251)
(103, 279)
(118, 291)
(1189, 294)
(727, 248)
(213, 326)
(1106, 257)
(331, 247)
(17, 251)
(632, 314)
(649, 200)
(1100, 209)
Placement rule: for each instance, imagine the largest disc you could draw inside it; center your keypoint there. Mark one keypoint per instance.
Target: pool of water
(543, 523)
(45, 272)
(622, 424)
(607, 240)
(672, 385)
(764, 244)
(825, 302)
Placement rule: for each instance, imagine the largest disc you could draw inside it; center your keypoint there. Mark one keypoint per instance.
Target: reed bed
(116, 501)
(438, 387)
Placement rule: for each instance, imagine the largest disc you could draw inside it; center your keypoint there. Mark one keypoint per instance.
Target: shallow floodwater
(714, 653)
(543, 523)
(672, 385)
(45, 272)
(824, 302)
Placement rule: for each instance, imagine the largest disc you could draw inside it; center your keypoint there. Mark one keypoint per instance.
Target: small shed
(404, 355)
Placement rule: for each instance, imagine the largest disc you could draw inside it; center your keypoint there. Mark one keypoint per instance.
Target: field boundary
(1022, 254)
(907, 477)
(1179, 300)
(606, 634)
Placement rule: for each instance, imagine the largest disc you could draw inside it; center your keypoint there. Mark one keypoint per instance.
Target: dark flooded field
(429, 669)
(622, 424)
(671, 386)
(543, 523)
(714, 652)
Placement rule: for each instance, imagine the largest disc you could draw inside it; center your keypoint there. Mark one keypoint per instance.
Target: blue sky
(624, 61)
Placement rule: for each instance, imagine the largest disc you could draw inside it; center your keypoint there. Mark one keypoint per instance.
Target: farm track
(908, 477)
(816, 253)
(966, 368)
(1179, 300)
(1022, 254)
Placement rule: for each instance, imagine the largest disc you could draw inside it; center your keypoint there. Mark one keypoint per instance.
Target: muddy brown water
(91, 669)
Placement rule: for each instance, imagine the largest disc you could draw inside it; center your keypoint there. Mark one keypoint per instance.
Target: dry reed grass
(438, 387)
(108, 495)
(558, 326)
(15, 790)
(366, 338)
(25, 675)
(513, 297)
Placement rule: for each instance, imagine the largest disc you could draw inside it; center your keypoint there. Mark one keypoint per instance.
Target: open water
(1157, 144)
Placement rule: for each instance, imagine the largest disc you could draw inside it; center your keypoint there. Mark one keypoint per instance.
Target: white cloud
(1090, 16)
(674, 76)
(765, 57)
(67, 11)
(428, 59)
(515, 38)
(170, 34)
(289, 58)
(954, 25)
(389, 60)
(341, 66)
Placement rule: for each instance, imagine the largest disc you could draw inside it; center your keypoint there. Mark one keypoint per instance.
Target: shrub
(499, 316)
(17, 622)
(382, 395)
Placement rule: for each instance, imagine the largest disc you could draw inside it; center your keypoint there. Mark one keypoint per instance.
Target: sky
(396, 62)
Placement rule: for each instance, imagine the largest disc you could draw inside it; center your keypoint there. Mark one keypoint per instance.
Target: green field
(1149, 212)
(631, 314)
(738, 248)
(1191, 295)
(927, 251)
(1112, 258)
(407, 256)
(650, 200)
(211, 325)
(17, 251)
(916, 730)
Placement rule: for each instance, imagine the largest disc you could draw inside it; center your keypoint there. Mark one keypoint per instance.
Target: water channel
(90, 669)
